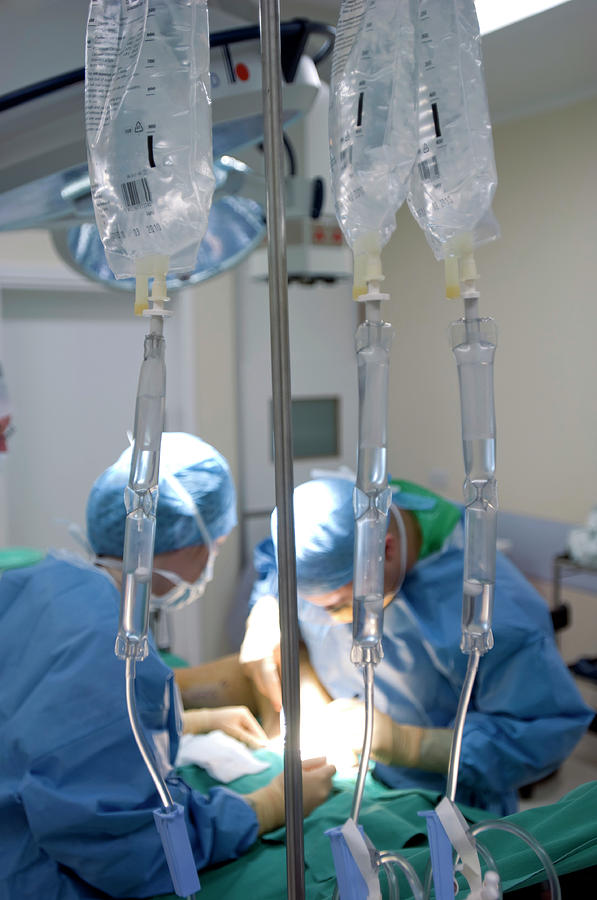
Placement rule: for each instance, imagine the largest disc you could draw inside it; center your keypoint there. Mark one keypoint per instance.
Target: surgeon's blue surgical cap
(324, 534)
(198, 467)
(324, 529)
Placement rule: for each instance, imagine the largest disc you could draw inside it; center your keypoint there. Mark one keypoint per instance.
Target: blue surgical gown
(76, 799)
(526, 713)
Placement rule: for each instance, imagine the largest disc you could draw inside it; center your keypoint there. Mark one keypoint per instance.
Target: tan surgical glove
(260, 650)
(268, 801)
(393, 744)
(237, 721)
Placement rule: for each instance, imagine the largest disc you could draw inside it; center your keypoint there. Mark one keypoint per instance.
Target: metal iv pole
(269, 21)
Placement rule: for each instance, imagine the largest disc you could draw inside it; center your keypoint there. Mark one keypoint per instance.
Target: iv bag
(148, 123)
(372, 116)
(454, 180)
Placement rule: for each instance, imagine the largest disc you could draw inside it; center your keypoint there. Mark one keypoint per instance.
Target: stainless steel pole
(269, 19)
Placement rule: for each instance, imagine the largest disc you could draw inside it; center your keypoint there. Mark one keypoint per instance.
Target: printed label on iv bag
(454, 180)
(113, 47)
(349, 24)
(372, 115)
(149, 129)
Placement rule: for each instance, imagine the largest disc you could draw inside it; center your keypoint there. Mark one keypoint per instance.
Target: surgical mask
(183, 593)
(403, 545)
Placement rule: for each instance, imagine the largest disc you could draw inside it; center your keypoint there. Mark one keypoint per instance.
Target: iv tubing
(489, 862)
(387, 858)
(141, 497)
(357, 797)
(371, 495)
(384, 858)
(474, 343)
(502, 825)
(393, 889)
(456, 747)
(142, 744)
(373, 309)
(269, 20)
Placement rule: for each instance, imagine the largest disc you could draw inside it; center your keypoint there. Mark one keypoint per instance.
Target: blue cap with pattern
(203, 473)
(324, 531)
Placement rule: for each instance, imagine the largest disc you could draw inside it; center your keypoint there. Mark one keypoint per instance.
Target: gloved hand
(393, 744)
(260, 650)
(237, 721)
(268, 801)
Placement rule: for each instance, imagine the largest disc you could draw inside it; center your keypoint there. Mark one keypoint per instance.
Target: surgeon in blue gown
(526, 714)
(76, 799)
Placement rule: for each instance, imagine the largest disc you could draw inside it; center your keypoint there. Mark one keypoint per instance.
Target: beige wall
(32, 246)
(537, 281)
(217, 422)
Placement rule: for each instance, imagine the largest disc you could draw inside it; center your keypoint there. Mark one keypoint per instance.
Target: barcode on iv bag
(429, 169)
(346, 157)
(136, 193)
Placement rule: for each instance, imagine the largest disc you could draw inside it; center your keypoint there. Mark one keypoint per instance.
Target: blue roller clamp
(440, 849)
(172, 829)
(351, 884)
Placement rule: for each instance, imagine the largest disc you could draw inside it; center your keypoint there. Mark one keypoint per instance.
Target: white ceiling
(542, 62)
(546, 61)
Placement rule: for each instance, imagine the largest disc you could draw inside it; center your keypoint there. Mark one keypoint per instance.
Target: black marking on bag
(360, 109)
(150, 151)
(435, 112)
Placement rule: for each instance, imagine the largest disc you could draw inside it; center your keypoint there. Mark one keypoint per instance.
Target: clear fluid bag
(372, 120)
(454, 180)
(148, 123)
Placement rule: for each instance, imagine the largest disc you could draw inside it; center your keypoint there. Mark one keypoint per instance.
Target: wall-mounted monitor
(315, 427)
